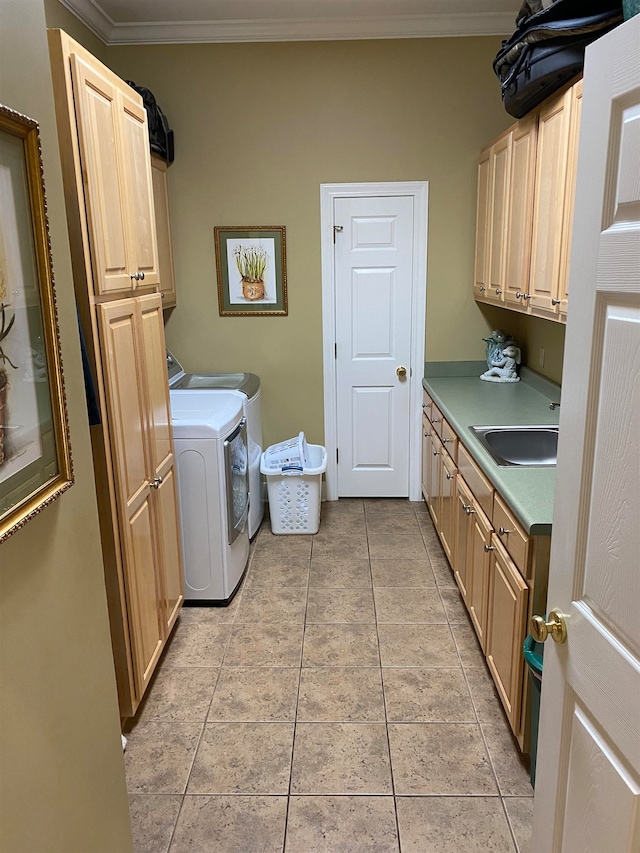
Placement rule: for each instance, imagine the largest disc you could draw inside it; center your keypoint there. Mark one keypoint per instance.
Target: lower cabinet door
(433, 477)
(447, 528)
(508, 595)
(464, 510)
(143, 595)
(169, 540)
(426, 446)
(478, 562)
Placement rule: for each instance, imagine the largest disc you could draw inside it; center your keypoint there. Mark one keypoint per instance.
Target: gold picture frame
(251, 267)
(35, 453)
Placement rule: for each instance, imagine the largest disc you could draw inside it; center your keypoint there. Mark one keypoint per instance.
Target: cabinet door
(161, 456)
(123, 364)
(426, 447)
(478, 569)
(163, 231)
(136, 172)
(521, 186)
(500, 171)
(447, 527)
(462, 567)
(506, 630)
(570, 192)
(549, 199)
(433, 478)
(97, 117)
(483, 220)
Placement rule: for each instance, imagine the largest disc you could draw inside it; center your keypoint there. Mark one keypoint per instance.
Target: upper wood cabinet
(116, 171)
(163, 231)
(524, 226)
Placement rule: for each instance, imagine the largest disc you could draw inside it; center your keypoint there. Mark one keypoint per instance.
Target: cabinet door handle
(526, 296)
(450, 476)
(436, 420)
(155, 483)
(436, 453)
(488, 548)
(482, 288)
(498, 291)
(503, 531)
(556, 301)
(468, 509)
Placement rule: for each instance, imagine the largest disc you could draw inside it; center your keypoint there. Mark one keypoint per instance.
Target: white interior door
(373, 280)
(588, 770)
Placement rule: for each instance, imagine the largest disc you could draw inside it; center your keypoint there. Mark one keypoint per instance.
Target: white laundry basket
(295, 490)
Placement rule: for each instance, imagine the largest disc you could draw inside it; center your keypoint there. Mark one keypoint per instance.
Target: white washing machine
(210, 439)
(247, 385)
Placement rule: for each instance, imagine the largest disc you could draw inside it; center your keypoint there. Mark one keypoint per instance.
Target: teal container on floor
(533, 653)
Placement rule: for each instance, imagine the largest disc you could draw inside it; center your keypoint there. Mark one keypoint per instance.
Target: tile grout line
(295, 713)
(384, 696)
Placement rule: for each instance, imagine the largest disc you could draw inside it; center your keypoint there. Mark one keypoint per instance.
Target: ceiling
(180, 21)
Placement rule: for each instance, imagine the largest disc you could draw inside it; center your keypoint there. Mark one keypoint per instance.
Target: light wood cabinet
(506, 630)
(500, 570)
(116, 169)
(104, 147)
(483, 226)
(526, 188)
(163, 231)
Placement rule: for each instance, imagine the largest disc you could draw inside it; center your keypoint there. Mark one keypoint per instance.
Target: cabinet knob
(488, 548)
(498, 291)
(141, 276)
(526, 296)
(436, 420)
(503, 531)
(482, 288)
(519, 295)
(468, 509)
(436, 452)
(450, 476)
(155, 483)
(555, 301)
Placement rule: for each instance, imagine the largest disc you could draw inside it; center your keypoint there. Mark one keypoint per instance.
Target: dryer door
(236, 459)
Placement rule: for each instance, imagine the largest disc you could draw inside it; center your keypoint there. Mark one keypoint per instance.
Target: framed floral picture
(35, 455)
(252, 270)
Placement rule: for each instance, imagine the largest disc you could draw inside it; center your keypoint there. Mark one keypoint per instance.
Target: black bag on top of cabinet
(160, 134)
(547, 48)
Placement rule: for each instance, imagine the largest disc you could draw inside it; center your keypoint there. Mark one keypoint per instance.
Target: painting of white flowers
(35, 458)
(251, 267)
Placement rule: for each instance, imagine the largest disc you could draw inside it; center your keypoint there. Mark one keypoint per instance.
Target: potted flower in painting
(5, 328)
(252, 263)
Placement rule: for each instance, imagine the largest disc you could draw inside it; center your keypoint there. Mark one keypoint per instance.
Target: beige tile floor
(339, 704)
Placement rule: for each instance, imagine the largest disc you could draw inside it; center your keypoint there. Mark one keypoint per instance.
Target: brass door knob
(401, 371)
(555, 625)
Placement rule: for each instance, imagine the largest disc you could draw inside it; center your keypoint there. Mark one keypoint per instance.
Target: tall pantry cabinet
(104, 146)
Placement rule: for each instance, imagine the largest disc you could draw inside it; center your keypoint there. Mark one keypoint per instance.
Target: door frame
(419, 190)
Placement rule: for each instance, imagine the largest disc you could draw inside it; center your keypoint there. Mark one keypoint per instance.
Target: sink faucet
(553, 406)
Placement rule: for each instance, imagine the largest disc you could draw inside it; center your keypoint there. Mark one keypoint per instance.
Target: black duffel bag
(547, 48)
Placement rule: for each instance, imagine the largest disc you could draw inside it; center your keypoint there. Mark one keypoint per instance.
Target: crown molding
(302, 29)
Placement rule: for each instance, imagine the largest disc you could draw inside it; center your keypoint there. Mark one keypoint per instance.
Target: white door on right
(587, 796)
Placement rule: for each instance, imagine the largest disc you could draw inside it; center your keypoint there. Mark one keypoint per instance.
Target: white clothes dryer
(247, 385)
(210, 440)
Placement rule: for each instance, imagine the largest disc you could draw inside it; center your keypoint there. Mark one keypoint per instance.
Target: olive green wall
(60, 18)
(532, 334)
(62, 784)
(258, 128)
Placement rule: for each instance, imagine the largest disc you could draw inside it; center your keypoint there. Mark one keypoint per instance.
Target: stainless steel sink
(520, 446)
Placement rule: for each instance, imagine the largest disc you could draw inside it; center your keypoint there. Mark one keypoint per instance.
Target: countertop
(469, 401)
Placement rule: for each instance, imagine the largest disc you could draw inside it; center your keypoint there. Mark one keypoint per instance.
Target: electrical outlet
(541, 357)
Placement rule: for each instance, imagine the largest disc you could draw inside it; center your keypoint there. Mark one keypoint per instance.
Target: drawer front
(436, 419)
(450, 440)
(511, 534)
(477, 482)
(426, 404)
